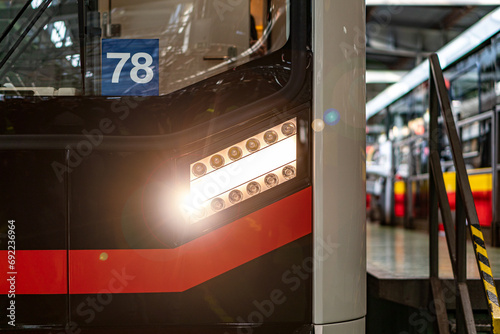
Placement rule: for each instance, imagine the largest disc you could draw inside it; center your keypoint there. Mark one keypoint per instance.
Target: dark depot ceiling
(399, 37)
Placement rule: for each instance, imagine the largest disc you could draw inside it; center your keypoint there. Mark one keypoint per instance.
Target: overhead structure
(457, 48)
(431, 2)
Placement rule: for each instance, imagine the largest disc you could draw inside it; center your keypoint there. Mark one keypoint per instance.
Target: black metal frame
(33, 19)
(465, 208)
(14, 21)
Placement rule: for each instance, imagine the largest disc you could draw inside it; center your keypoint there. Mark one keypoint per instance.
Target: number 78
(124, 57)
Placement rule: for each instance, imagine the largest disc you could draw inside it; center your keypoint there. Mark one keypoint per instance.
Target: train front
(183, 166)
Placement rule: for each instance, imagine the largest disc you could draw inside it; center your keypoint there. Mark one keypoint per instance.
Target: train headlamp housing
(244, 172)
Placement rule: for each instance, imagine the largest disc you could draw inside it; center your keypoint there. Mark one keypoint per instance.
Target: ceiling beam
(454, 50)
(369, 12)
(453, 17)
(397, 52)
(409, 28)
(380, 76)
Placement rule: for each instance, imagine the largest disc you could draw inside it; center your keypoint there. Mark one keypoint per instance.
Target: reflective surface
(339, 160)
(394, 252)
(54, 47)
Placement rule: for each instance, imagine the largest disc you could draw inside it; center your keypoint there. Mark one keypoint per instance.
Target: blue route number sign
(130, 67)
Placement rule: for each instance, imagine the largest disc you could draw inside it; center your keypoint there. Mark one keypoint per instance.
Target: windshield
(127, 47)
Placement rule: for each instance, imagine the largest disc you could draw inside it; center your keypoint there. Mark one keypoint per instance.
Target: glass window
(47, 58)
(401, 112)
(401, 160)
(487, 64)
(196, 39)
(476, 144)
(465, 93)
(421, 155)
(420, 100)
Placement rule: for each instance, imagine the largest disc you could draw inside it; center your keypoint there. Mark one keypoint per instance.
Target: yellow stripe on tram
(478, 182)
(399, 187)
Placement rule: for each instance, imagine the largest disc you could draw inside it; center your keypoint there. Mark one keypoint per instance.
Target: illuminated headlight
(288, 128)
(270, 137)
(217, 204)
(198, 214)
(288, 172)
(253, 188)
(252, 145)
(242, 170)
(271, 180)
(199, 169)
(217, 161)
(235, 196)
(234, 153)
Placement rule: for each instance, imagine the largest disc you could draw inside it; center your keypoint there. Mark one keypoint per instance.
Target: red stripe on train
(482, 201)
(34, 272)
(170, 270)
(399, 205)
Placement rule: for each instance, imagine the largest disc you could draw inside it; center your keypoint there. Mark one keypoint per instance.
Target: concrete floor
(395, 252)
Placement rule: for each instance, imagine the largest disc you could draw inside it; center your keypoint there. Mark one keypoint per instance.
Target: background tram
(474, 90)
(182, 166)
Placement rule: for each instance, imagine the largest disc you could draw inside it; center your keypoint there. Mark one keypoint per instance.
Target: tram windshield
(126, 47)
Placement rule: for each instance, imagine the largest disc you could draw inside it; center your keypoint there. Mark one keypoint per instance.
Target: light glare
(245, 169)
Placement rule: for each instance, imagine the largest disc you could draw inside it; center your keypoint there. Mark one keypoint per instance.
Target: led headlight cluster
(243, 149)
(243, 170)
(245, 191)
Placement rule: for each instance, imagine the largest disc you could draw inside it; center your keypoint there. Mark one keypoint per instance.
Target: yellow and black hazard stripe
(486, 276)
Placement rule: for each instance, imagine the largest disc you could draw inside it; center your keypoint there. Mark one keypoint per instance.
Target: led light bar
(242, 149)
(248, 168)
(249, 189)
(242, 170)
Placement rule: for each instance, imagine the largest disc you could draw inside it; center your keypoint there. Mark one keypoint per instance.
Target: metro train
(402, 189)
(182, 166)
